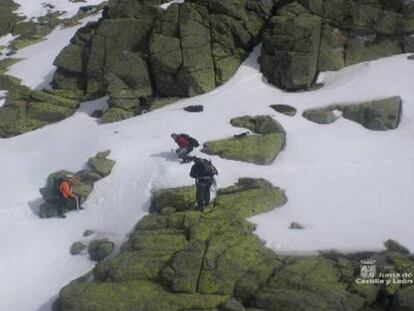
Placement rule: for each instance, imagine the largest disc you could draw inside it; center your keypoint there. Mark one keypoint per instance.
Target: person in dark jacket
(184, 146)
(203, 172)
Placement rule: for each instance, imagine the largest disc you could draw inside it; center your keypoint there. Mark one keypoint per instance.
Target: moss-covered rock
(141, 50)
(179, 198)
(116, 114)
(310, 36)
(190, 260)
(394, 246)
(133, 295)
(379, 115)
(100, 249)
(77, 248)
(26, 110)
(321, 115)
(290, 50)
(260, 149)
(194, 255)
(8, 19)
(259, 125)
(285, 109)
(257, 149)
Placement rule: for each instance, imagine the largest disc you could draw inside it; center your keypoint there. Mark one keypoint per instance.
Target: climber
(66, 194)
(203, 171)
(186, 144)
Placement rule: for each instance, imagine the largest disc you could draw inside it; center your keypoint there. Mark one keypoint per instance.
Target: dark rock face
(189, 260)
(140, 50)
(98, 167)
(309, 36)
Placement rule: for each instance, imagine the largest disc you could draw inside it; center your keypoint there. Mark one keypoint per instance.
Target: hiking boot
(81, 207)
(61, 216)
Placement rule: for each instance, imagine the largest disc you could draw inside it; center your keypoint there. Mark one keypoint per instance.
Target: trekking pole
(77, 203)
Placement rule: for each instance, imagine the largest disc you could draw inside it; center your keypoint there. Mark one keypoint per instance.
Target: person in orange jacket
(66, 193)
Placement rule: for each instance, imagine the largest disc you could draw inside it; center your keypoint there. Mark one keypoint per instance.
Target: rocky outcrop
(306, 37)
(261, 149)
(377, 115)
(100, 249)
(285, 109)
(98, 167)
(7, 18)
(25, 110)
(139, 50)
(178, 258)
(198, 257)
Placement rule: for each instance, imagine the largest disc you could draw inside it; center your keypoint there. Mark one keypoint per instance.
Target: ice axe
(77, 204)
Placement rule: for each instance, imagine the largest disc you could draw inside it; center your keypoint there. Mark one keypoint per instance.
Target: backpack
(209, 168)
(56, 185)
(193, 142)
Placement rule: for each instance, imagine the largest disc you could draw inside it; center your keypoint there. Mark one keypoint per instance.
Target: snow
(36, 8)
(2, 97)
(4, 42)
(350, 187)
(165, 6)
(38, 57)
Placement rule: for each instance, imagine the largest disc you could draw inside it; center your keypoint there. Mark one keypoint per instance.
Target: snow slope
(350, 187)
(36, 69)
(36, 8)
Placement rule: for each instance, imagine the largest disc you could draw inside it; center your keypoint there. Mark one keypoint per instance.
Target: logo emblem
(368, 269)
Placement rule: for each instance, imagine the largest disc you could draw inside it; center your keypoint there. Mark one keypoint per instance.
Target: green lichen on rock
(8, 19)
(378, 115)
(98, 167)
(321, 115)
(259, 125)
(197, 257)
(261, 149)
(257, 149)
(190, 260)
(310, 36)
(77, 248)
(285, 109)
(6, 63)
(100, 249)
(140, 50)
(26, 110)
(290, 50)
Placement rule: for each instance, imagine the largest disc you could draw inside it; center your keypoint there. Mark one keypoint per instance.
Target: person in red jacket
(184, 146)
(67, 194)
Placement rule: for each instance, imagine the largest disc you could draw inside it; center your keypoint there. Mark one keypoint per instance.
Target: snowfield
(34, 8)
(350, 187)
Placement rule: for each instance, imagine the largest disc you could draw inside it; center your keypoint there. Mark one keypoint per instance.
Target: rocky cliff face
(309, 36)
(139, 50)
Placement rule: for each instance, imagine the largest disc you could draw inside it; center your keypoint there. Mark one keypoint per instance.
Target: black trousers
(203, 192)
